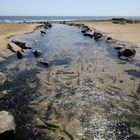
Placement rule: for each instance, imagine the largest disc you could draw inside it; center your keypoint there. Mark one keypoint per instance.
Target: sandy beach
(123, 32)
(10, 29)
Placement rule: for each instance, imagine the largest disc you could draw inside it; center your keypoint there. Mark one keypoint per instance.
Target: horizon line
(68, 16)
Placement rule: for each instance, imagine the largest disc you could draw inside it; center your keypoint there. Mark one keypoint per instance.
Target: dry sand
(123, 32)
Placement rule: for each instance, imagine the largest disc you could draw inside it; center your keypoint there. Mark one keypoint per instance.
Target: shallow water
(86, 92)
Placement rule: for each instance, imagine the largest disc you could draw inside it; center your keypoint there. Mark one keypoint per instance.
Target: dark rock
(45, 62)
(22, 50)
(85, 30)
(37, 53)
(119, 47)
(10, 48)
(7, 126)
(127, 52)
(97, 36)
(22, 45)
(121, 81)
(109, 38)
(47, 25)
(89, 35)
(42, 32)
(122, 130)
(19, 55)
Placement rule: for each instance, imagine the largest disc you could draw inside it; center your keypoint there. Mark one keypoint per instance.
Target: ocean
(15, 19)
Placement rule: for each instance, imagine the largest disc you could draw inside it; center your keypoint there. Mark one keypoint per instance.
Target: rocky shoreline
(125, 51)
(71, 84)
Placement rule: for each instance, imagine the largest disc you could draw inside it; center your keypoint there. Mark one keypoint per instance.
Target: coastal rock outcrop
(13, 47)
(22, 45)
(7, 126)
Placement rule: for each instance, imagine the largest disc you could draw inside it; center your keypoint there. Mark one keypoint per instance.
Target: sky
(69, 7)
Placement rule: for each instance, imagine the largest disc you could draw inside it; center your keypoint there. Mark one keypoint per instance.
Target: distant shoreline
(36, 19)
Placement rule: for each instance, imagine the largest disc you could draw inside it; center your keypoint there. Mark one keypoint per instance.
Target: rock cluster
(122, 21)
(18, 47)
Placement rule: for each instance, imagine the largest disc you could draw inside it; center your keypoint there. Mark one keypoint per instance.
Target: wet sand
(123, 32)
(10, 29)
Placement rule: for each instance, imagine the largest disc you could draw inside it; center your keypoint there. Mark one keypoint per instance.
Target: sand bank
(123, 32)
(9, 29)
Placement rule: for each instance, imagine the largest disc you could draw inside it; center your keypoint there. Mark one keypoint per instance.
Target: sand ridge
(123, 32)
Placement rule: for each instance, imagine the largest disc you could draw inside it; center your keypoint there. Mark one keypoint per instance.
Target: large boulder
(127, 52)
(7, 126)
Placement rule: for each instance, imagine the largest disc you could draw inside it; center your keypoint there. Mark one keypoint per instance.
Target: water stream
(85, 93)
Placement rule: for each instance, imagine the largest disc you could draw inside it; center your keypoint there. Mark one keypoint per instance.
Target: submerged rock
(37, 53)
(7, 126)
(45, 62)
(19, 55)
(2, 78)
